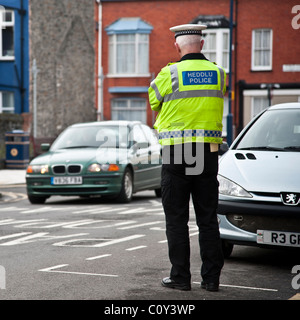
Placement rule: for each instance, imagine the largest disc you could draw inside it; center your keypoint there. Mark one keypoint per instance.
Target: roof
(290, 105)
(106, 123)
(129, 25)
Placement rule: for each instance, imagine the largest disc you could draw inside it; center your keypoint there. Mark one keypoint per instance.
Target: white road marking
(97, 210)
(15, 235)
(28, 237)
(244, 287)
(98, 257)
(40, 210)
(140, 225)
(53, 269)
(14, 197)
(136, 248)
(107, 242)
(143, 210)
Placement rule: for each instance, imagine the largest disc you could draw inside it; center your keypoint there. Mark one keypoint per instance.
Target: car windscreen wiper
(267, 148)
(292, 148)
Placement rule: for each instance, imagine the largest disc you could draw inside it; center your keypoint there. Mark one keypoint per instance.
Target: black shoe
(210, 286)
(169, 283)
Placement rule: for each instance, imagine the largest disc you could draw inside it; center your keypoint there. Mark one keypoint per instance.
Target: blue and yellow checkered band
(189, 133)
(188, 32)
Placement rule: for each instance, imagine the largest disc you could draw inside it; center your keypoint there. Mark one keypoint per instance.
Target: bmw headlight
(96, 167)
(42, 169)
(230, 188)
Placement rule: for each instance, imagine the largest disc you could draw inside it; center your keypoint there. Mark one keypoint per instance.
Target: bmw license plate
(66, 180)
(278, 238)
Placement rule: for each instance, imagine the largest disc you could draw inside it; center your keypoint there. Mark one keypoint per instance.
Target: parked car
(108, 158)
(259, 176)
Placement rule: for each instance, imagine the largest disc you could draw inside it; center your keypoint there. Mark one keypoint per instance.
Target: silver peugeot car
(259, 176)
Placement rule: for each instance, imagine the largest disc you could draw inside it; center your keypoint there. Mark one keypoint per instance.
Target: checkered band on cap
(188, 32)
(188, 29)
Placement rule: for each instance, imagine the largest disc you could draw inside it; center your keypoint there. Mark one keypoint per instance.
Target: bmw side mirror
(45, 146)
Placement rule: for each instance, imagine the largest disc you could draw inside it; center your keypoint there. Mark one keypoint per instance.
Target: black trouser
(177, 187)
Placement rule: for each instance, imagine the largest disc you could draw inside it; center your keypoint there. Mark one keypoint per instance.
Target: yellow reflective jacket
(189, 96)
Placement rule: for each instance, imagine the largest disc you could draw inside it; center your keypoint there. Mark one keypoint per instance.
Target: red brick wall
(248, 15)
(161, 15)
(274, 14)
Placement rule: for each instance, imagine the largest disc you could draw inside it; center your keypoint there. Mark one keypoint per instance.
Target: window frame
(3, 25)
(262, 99)
(129, 108)
(255, 67)
(219, 51)
(7, 109)
(112, 64)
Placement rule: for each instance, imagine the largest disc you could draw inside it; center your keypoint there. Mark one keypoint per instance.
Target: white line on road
(107, 242)
(135, 236)
(140, 225)
(136, 248)
(243, 287)
(15, 235)
(53, 269)
(163, 241)
(98, 257)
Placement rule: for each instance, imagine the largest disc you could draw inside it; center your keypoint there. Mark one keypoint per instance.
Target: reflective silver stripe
(176, 94)
(190, 133)
(222, 78)
(193, 94)
(158, 95)
(174, 77)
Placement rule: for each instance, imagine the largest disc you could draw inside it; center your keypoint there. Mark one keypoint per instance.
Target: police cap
(188, 29)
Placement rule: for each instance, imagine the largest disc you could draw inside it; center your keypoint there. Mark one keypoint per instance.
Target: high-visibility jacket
(189, 96)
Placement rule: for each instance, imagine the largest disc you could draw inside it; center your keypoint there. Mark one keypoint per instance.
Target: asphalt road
(90, 249)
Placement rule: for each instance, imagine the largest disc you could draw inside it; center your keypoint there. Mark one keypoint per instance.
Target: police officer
(189, 97)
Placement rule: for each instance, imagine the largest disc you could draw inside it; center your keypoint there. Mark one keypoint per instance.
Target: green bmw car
(109, 158)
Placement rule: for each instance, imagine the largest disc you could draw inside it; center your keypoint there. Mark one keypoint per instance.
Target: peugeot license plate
(66, 180)
(278, 238)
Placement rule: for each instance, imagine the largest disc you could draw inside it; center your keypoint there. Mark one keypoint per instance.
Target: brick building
(136, 43)
(59, 36)
(62, 35)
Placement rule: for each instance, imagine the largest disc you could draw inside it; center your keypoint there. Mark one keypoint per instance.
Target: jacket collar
(193, 56)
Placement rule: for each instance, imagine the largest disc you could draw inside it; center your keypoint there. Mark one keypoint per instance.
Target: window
(258, 105)
(261, 49)
(7, 102)
(7, 21)
(129, 109)
(129, 47)
(129, 54)
(150, 134)
(216, 46)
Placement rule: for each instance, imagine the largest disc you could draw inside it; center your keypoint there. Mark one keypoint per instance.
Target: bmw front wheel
(125, 195)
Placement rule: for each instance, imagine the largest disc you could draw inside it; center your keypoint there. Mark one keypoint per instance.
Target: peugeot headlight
(230, 188)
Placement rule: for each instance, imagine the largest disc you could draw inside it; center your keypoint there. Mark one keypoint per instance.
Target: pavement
(12, 177)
